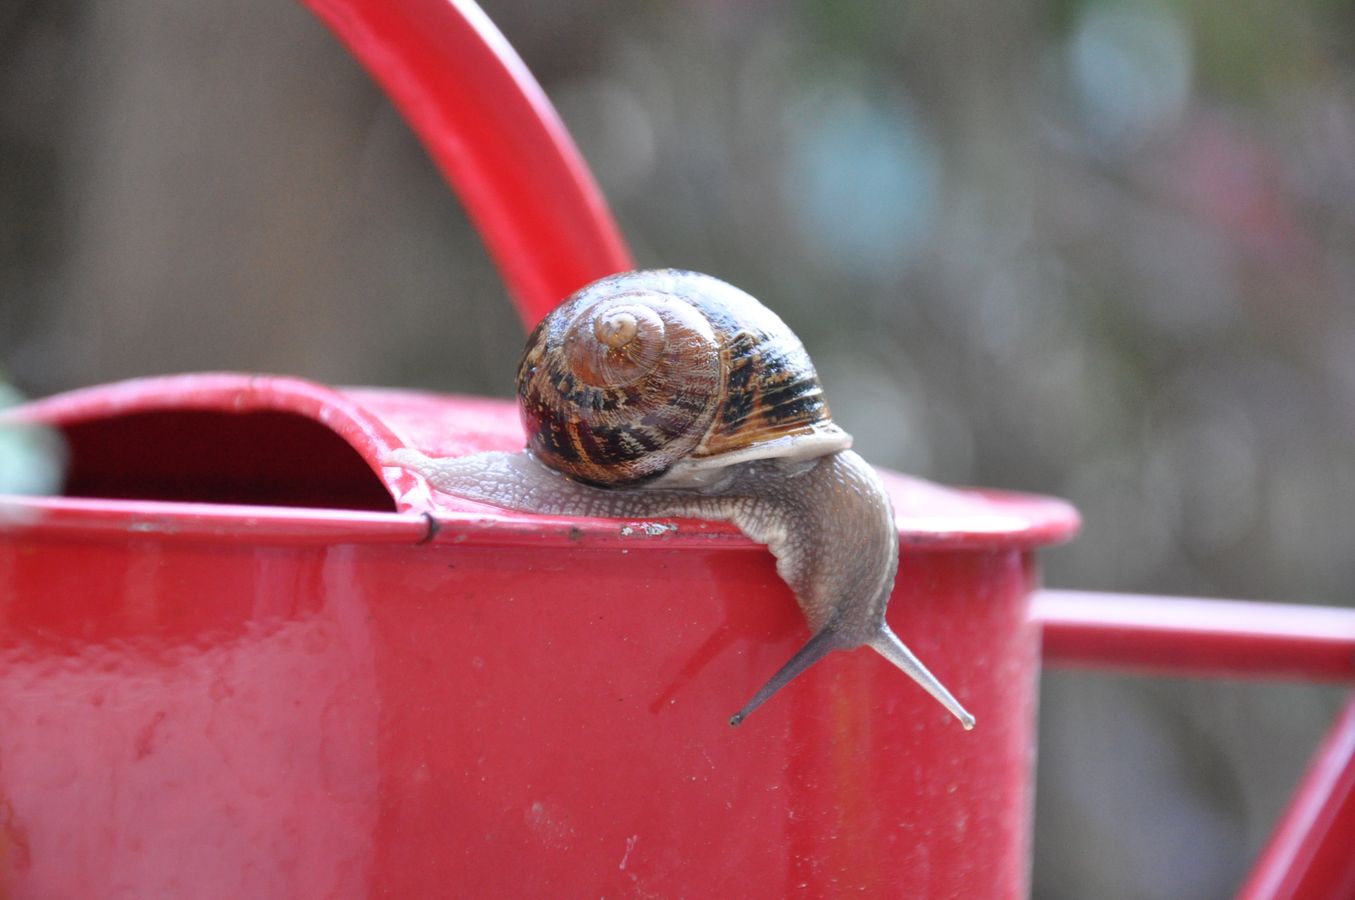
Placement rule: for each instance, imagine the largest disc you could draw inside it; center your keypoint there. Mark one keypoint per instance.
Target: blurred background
(1099, 250)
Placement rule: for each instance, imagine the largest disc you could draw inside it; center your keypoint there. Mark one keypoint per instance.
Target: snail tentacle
(815, 649)
(888, 645)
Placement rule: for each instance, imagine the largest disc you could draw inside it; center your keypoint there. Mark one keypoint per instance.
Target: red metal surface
(273, 701)
(1191, 637)
(490, 129)
(1311, 853)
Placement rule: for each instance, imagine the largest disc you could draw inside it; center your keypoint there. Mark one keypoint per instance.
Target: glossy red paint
(268, 701)
(491, 130)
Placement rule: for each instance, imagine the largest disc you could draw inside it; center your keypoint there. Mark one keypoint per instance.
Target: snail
(671, 393)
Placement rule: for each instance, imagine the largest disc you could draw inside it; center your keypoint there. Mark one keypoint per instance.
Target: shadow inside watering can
(264, 457)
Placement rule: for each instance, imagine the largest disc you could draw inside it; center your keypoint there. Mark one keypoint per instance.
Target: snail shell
(668, 372)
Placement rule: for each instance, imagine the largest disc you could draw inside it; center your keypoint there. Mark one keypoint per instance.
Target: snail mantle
(279, 441)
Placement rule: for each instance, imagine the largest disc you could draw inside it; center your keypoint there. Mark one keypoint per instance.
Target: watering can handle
(496, 138)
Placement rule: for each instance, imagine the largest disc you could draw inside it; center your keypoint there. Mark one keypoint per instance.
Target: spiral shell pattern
(638, 371)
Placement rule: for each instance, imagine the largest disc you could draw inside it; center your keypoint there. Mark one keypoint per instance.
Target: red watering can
(240, 657)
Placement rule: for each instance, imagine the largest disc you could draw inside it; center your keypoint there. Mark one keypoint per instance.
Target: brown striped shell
(666, 371)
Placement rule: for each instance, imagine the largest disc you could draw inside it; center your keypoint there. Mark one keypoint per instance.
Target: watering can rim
(374, 421)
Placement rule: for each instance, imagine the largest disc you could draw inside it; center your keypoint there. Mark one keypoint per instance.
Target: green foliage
(31, 456)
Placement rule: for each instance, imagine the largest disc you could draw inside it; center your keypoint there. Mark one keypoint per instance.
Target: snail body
(670, 393)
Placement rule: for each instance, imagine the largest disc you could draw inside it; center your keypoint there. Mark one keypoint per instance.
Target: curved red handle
(496, 138)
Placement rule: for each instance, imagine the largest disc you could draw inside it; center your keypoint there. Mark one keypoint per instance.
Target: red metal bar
(491, 130)
(1311, 852)
(1198, 638)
